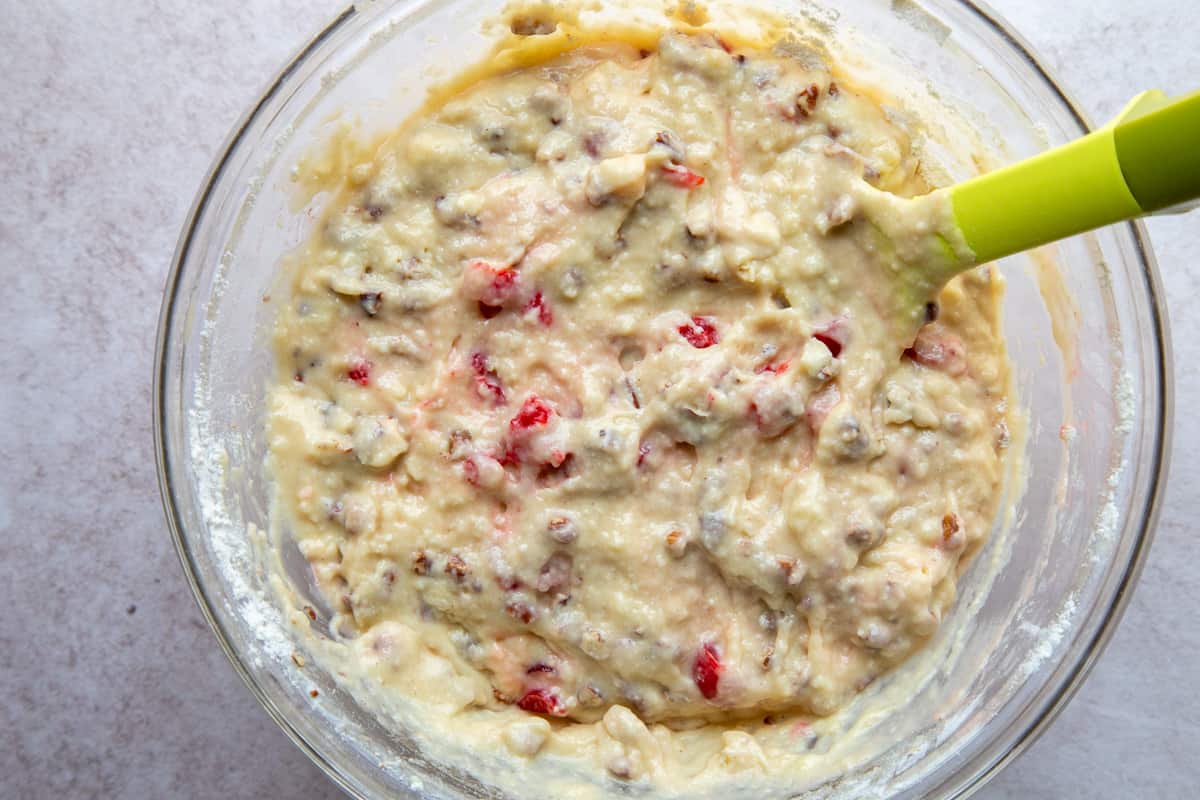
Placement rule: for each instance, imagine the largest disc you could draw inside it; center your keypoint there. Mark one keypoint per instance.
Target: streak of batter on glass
(591, 420)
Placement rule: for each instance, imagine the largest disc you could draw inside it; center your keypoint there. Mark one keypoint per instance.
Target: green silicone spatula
(1145, 160)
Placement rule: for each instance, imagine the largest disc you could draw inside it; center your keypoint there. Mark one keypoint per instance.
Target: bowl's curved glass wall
(1089, 374)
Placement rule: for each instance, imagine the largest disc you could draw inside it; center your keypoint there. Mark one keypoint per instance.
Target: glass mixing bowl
(1086, 332)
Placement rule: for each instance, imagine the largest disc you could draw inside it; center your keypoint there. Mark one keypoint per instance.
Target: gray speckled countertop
(110, 683)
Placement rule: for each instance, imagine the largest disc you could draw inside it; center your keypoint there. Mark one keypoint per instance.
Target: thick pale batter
(590, 405)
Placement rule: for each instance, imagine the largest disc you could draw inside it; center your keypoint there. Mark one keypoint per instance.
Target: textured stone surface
(111, 683)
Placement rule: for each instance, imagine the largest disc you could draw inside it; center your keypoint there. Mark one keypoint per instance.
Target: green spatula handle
(1145, 160)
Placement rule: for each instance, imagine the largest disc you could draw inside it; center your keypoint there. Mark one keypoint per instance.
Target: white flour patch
(1126, 401)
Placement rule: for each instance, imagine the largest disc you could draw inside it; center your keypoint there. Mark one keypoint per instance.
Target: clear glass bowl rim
(971, 777)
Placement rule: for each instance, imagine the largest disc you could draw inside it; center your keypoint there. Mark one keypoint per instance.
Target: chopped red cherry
(504, 281)
(681, 176)
(360, 373)
(534, 413)
(538, 303)
(706, 671)
(541, 701)
(701, 332)
(492, 286)
(510, 458)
